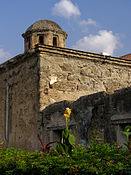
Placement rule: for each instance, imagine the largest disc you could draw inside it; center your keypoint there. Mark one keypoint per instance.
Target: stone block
(67, 67)
(64, 85)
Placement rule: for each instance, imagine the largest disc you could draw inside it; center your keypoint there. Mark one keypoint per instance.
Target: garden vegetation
(67, 158)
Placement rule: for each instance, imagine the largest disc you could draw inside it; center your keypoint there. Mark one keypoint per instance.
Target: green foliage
(127, 133)
(68, 142)
(97, 158)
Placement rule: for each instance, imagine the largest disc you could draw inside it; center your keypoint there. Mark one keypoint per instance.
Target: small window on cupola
(55, 41)
(41, 39)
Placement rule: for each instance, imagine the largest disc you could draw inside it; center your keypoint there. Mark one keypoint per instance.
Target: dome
(44, 25)
(44, 32)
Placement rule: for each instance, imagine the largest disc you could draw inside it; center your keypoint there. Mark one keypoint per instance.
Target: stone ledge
(124, 118)
(83, 55)
(59, 127)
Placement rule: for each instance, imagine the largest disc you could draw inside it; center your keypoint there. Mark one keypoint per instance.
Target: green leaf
(71, 139)
(126, 133)
(60, 147)
(127, 128)
(66, 149)
(94, 132)
(65, 133)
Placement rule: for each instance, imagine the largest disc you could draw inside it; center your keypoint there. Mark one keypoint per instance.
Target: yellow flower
(66, 116)
(67, 113)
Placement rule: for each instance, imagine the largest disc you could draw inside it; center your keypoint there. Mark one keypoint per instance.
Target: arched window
(55, 41)
(41, 39)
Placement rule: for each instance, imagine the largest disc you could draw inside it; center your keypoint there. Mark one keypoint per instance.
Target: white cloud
(66, 8)
(88, 22)
(104, 42)
(4, 56)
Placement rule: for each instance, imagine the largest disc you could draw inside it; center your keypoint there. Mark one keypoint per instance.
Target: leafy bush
(98, 158)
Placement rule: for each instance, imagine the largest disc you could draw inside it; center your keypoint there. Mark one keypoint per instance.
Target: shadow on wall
(105, 113)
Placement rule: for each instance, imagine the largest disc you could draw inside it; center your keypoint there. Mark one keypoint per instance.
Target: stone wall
(22, 79)
(92, 112)
(67, 74)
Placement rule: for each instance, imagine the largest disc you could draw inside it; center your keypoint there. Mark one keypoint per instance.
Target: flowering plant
(68, 139)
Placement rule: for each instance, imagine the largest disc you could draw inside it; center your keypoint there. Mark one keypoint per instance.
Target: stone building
(36, 86)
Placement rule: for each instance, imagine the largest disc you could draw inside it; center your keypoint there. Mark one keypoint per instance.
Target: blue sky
(92, 25)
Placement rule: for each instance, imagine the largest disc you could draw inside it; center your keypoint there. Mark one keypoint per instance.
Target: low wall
(92, 112)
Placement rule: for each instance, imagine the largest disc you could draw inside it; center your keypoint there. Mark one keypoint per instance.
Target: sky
(98, 26)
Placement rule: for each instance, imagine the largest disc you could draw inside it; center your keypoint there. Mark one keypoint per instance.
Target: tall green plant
(68, 139)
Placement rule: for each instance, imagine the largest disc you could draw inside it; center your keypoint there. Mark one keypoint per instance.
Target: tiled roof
(127, 57)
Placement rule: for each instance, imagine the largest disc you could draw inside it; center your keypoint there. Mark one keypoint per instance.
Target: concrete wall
(22, 79)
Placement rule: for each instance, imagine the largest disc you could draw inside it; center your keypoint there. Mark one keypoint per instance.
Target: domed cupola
(44, 32)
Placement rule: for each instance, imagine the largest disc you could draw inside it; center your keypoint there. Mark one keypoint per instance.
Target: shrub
(98, 158)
